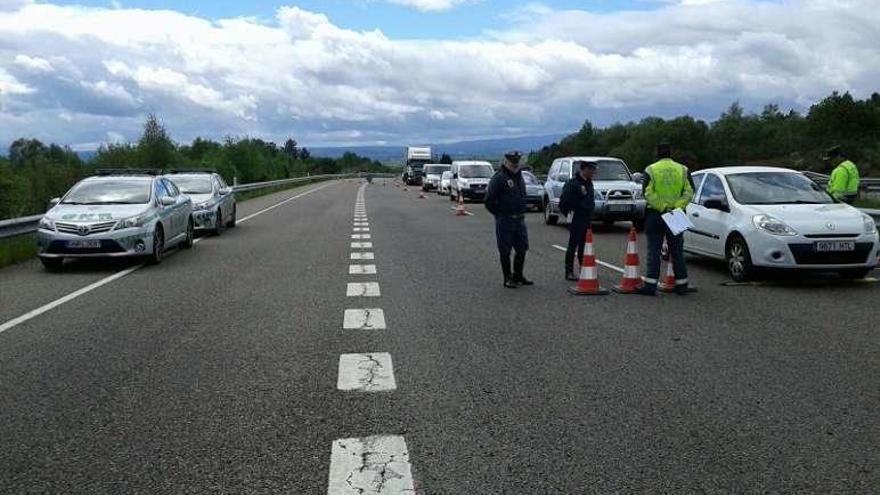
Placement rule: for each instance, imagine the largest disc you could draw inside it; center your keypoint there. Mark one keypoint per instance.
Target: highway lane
(217, 371)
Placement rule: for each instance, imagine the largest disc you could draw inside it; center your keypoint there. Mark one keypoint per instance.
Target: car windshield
(530, 179)
(193, 185)
(436, 169)
(476, 171)
(775, 188)
(109, 192)
(611, 170)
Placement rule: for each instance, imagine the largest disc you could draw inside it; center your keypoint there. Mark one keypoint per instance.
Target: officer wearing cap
(844, 182)
(506, 200)
(667, 187)
(578, 198)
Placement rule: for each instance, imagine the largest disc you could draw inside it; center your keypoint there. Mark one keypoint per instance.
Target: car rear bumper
(114, 244)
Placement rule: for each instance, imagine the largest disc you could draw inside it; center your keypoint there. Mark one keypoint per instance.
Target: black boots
(519, 260)
(569, 274)
(505, 269)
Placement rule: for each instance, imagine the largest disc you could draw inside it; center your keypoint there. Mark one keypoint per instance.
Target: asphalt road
(216, 372)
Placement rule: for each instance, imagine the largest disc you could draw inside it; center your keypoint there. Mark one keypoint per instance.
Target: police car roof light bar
(129, 171)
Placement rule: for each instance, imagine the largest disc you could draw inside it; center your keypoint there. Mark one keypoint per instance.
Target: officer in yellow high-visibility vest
(844, 182)
(667, 186)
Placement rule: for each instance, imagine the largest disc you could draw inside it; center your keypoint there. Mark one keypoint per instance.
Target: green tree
(155, 148)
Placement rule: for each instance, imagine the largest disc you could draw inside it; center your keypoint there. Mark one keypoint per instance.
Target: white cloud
(429, 5)
(303, 76)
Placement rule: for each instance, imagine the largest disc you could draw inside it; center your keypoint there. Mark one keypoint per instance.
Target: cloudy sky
(397, 71)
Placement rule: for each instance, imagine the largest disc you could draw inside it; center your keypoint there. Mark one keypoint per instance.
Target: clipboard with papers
(677, 221)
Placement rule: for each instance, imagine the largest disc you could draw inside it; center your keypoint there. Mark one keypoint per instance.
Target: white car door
(711, 221)
(690, 238)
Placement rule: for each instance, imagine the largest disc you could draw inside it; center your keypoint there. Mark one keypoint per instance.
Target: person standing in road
(844, 182)
(506, 200)
(578, 198)
(667, 186)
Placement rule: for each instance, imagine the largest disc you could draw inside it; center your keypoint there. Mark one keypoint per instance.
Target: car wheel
(231, 223)
(549, 217)
(52, 264)
(158, 247)
(739, 261)
(218, 223)
(189, 240)
(855, 273)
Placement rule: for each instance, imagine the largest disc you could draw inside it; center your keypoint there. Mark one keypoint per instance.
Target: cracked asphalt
(216, 371)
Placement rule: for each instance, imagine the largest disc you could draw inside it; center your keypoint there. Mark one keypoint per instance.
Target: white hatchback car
(769, 217)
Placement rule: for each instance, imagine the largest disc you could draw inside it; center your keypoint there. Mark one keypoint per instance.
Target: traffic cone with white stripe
(421, 194)
(631, 280)
(459, 209)
(588, 283)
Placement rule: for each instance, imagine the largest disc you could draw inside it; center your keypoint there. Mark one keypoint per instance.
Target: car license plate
(620, 207)
(834, 246)
(84, 244)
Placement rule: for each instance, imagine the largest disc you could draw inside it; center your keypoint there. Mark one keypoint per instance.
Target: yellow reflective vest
(844, 181)
(668, 186)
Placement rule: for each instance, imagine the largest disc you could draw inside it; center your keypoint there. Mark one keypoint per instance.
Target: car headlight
(47, 223)
(772, 225)
(870, 224)
(133, 222)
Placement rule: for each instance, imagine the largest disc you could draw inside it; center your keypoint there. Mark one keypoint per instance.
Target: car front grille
(85, 228)
(478, 187)
(618, 195)
(107, 247)
(831, 236)
(804, 254)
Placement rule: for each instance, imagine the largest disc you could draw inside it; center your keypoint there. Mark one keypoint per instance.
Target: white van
(470, 179)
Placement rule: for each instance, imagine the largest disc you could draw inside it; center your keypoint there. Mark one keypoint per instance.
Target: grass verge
(20, 248)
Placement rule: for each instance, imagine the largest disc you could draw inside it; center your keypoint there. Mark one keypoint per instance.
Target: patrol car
(214, 207)
(118, 213)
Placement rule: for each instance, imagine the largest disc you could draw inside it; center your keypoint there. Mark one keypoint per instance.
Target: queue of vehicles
(133, 213)
(752, 218)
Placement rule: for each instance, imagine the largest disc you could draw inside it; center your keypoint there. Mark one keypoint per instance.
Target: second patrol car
(214, 207)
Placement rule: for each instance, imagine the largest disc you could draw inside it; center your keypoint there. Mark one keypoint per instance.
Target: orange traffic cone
(667, 283)
(588, 282)
(459, 209)
(631, 279)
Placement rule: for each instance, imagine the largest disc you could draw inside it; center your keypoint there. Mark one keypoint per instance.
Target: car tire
(52, 264)
(158, 253)
(549, 218)
(231, 223)
(855, 273)
(219, 225)
(189, 240)
(739, 260)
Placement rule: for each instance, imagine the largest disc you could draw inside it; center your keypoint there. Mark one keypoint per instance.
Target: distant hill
(485, 148)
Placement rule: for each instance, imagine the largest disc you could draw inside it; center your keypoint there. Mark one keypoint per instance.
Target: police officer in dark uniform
(506, 200)
(578, 198)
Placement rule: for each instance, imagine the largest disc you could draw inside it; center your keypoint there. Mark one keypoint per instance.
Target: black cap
(585, 163)
(513, 156)
(833, 152)
(664, 149)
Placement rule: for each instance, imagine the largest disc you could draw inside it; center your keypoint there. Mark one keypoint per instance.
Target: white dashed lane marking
(362, 256)
(361, 269)
(600, 262)
(361, 224)
(360, 236)
(361, 229)
(363, 319)
(362, 245)
(371, 372)
(376, 465)
(362, 289)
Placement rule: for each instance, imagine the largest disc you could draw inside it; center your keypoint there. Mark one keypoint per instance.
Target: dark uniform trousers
(656, 230)
(577, 236)
(511, 234)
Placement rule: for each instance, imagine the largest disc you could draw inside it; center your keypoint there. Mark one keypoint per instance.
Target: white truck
(414, 164)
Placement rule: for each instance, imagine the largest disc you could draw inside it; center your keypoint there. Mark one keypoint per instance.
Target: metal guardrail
(26, 225)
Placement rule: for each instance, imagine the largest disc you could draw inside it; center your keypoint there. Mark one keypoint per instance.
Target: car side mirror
(638, 178)
(717, 204)
(167, 201)
(53, 202)
(226, 191)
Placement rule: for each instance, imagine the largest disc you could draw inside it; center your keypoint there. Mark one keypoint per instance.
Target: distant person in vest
(667, 186)
(844, 182)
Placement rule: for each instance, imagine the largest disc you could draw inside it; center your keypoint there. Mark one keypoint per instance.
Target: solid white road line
(376, 465)
(361, 269)
(362, 289)
(363, 319)
(128, 271)
(598, 261)
(371, 372)
(362, 256)
(362, 245)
